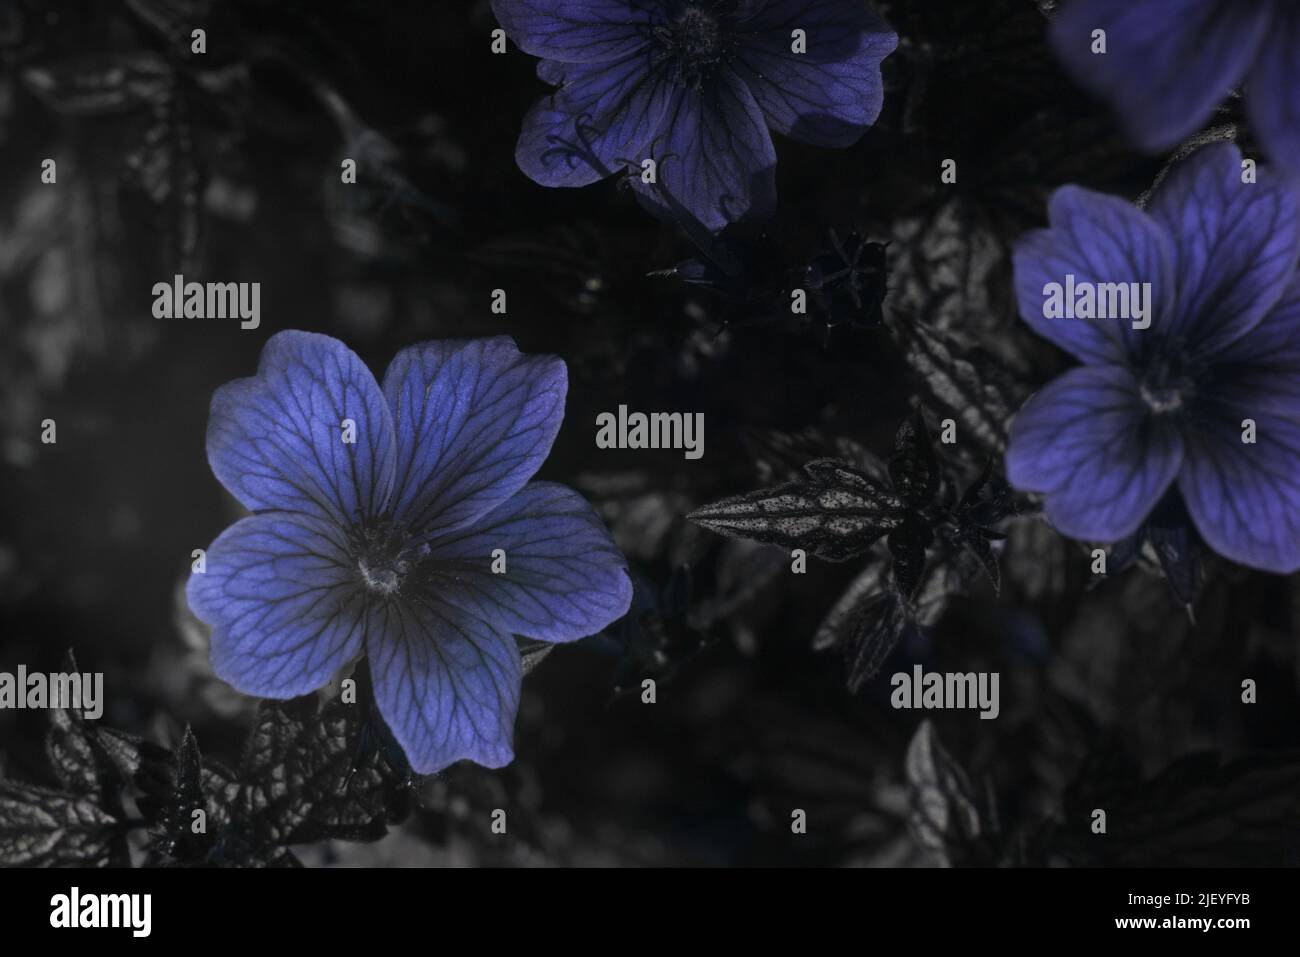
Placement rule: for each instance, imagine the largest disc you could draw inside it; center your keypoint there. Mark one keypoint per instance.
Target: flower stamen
(1166, 385)
(695, 45)
(383, 557)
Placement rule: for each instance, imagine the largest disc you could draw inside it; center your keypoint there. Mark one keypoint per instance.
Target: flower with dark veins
(398, 521)
(1207, 398)
(694, 85)
(1168, 63)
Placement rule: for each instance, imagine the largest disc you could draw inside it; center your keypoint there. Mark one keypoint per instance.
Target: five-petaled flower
(1168, 63)
(385, 544)
(1208, 397)
(694, 86)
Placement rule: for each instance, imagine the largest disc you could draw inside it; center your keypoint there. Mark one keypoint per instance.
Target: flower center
(694, 44)
(1167, 384)
(383, 556)
(383, 576)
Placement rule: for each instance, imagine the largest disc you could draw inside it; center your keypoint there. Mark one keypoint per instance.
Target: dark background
(225, 167)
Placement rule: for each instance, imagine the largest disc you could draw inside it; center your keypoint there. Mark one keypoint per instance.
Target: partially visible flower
(1169, 404)
(378, 513)
(1168, 63)
(694, 85)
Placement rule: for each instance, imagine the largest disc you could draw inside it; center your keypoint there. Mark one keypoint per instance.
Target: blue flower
(1169, 63)
(1169, 404)
(378, 513)
(694, 85)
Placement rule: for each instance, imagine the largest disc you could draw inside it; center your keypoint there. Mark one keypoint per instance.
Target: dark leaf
(44, 828)
(871, 617)
(1125, 553)
(912, 465)
(189, 769)
(89, 759)
(881, 620)
(837, 627)
(962, 384)
(979, 548)
(177, 833)
(1179, 552)
(941, 584)
(303, 780)
(836, 513)
(945, 811)
(95, 764)
(1167, 541)
(781, 456)
(989, 500)
(72, 756)
(949, 268)
(848, 283)
(745, 571)
(969, 528)
(908, 544)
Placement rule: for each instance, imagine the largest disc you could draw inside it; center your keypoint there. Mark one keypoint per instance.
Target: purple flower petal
(714, 157)
(1245, 498)
(1236, 245)
(1089, 442)
(1098, 239)
(1260, 372)
(564, 578)
(474, 420)
(285, 604)
(446, 683)
(578, 31)
(829, 94)
(1167, 64)
(279, 440)
(599, 121)
(1273, 89)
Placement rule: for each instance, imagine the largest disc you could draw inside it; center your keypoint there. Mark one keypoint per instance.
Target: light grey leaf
(944, 812)
(835, 513)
